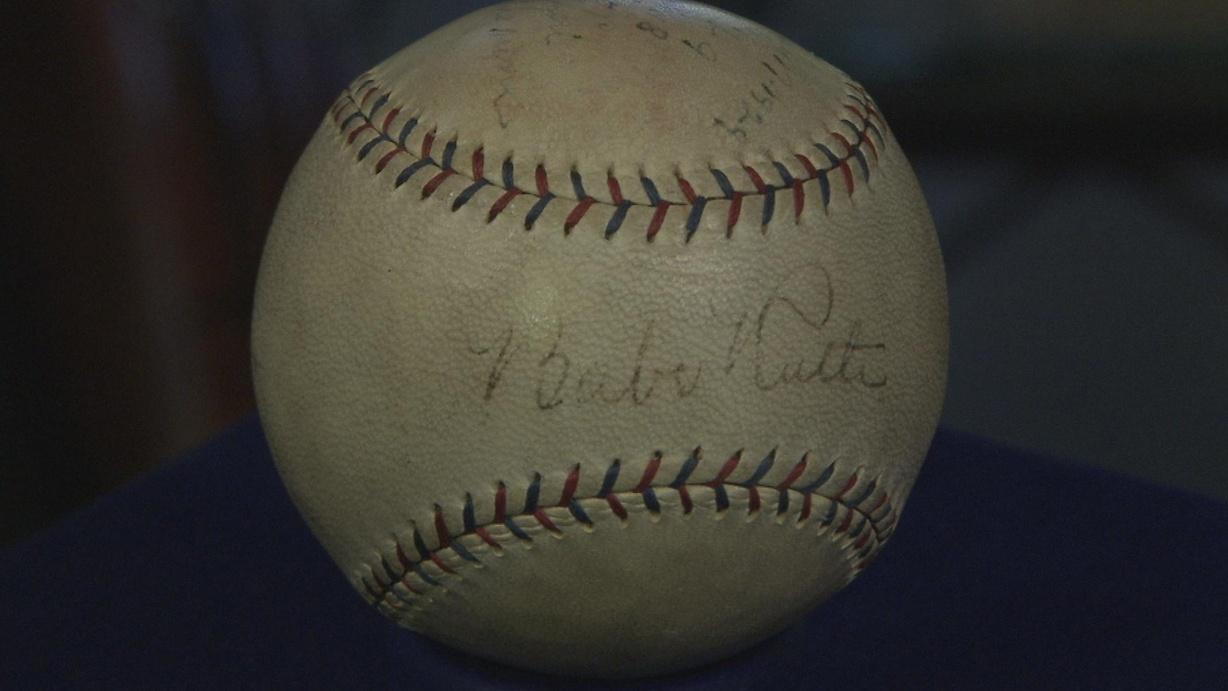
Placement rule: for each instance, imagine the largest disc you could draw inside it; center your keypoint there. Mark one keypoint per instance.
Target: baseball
(601, 338)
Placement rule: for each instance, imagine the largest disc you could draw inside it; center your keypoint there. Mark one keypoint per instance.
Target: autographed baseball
(601, 338)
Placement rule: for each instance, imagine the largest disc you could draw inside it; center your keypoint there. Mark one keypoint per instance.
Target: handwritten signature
(762, 346)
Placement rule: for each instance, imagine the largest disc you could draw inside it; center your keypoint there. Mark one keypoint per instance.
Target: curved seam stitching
(860, 104)
(384, 593)
(880, 528)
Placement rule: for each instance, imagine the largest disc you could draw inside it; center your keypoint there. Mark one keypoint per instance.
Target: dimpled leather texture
(601, 338)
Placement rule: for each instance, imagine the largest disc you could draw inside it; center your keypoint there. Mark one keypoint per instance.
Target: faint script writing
(791, 337)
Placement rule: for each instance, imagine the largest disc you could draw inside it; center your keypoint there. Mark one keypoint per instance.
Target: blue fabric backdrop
(1008, 571)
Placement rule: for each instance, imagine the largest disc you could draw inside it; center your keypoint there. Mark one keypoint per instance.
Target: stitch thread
(356, 114)
(866, 530)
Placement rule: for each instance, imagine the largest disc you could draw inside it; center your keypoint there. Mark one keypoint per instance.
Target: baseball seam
(851, 508)
(368, 119)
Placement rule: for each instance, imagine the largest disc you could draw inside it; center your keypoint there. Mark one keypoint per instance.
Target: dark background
(1074, 155)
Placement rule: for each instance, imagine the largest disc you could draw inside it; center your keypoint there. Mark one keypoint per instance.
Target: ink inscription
(791, 336)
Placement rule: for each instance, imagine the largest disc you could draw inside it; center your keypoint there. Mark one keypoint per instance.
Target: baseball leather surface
(601, 338)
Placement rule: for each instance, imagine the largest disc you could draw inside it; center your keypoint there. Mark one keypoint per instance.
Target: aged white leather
(415, 345)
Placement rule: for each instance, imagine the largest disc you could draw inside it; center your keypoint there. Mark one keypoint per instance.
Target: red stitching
(844, 162)
(360, 96)
(441, 528)
(877, 505)
(685, 497)
(548, 524)
(367, 96)
(577, 213)
(543, 183)
(404, 560)
(392, 114)
(616, 190)
(501, 203)
(735, 210)
(501, 503)
(861, 542)
(434, 557)
(383, 162)
(848, 520)
(486, 537)
(658, 218)
(869, 529)
(358, 131)
(616, 506)
(869, 141)
(793, 474)
(852, 482)
(726, 469)
(479, 164)
(687, 190)
(650, 472)
(756, 180)
(427, 143)
(569, 486)
(429, 188)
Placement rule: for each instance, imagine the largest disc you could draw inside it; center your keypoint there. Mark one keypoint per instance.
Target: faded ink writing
(791, 337)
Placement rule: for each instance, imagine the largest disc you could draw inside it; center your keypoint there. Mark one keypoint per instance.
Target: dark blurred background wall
(1074, 154)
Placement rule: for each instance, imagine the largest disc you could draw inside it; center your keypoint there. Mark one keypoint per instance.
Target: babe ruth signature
(830, 351)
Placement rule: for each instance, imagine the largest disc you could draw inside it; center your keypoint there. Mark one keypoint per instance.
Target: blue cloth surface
(1008, 570)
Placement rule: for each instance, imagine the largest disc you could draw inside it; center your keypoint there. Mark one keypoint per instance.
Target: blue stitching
(509, 174)
(366, 148)
(537, 210)
(467, 514)
(830, 515)
(388, 570)
(408, 127)
(769, 204)
(467, 194)
(417, 568)
(832, 158)
(857, 531)
(722, 181)
(449, 150)
(652, 503)
(579, 512)
(874, 128)
(692, 221)
(650, 188)
(358, 114)
(786, 177)
(861, 158)
(854, 503)
(764, 466)
(534, 492)
(650, 500)
(688, 467)
(577, 184)
(616, 220)
(819, 481)
(379, 103)
(517, 530)
(463, 552)
(411, 169)
(420, 545)
(824, 189)
(611, 477)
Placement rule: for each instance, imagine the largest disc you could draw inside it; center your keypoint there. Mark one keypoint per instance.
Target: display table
(1007, 570)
